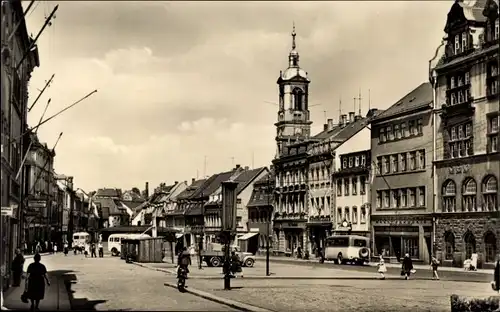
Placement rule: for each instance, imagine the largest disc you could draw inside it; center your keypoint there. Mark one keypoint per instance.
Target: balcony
(462, 108)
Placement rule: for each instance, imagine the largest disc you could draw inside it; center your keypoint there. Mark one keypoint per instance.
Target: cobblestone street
(111, 284)
(344, 295)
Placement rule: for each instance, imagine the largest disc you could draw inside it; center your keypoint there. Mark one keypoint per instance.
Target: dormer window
(464, 41)
(457, 44)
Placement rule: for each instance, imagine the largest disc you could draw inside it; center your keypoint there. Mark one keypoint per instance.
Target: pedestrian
(17, 268)
(200, 256)
(92, 251)
(434, 266)
(86, 248)
(381, 267)
(101, 250)
(66, 248)
(55, 247)
(407, 267)
(495, 284)
(35, 282)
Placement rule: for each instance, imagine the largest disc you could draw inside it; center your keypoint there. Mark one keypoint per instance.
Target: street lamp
(347, 225)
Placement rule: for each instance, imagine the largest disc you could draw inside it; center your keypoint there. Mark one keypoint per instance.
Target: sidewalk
(56, 295)
(372, 264)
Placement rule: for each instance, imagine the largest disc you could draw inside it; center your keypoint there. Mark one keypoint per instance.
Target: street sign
(37, 203)
(229, 206)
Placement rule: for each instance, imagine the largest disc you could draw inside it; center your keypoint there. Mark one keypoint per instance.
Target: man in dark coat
(496, 276)
(17, 268)
(407, 266)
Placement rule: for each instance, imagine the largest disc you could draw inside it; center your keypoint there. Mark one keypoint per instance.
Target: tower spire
(293, 57)
(293, 37)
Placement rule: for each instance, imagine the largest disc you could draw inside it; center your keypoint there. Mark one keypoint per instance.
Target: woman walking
(434, 266)
(17, 268)
(407, 268)
(35, 287)
(65, 248)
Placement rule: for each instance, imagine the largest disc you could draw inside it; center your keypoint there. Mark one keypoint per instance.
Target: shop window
(470, 245)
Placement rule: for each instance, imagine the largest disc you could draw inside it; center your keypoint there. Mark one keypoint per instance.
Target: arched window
(470, 245)
(449, 243)
(490, 247)
(297, 99)
(490, 193)
(449, 194)
(469, 194)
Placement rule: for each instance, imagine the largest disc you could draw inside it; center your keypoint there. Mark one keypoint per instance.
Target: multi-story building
(67, 195)
(466, 134)
(245, 178)
(14, 111)
(293, 131)
(39, 178)
(261, 210)
(401, 194)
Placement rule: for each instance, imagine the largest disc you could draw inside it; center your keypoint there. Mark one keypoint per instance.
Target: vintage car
(214, 256)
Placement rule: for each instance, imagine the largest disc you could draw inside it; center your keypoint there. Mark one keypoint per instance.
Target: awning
(178, 235)
(247, 236)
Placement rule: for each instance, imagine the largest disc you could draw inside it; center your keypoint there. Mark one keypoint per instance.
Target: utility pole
(41, 92)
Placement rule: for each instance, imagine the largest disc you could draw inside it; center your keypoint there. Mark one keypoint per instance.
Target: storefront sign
(459, 169)
(37, 203)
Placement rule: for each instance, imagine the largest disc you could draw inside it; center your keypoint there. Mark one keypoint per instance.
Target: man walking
(200, 257)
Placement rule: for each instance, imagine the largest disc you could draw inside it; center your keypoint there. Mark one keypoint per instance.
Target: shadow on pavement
(80, 304)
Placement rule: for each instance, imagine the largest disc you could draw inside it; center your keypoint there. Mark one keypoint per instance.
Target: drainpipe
(433, 81)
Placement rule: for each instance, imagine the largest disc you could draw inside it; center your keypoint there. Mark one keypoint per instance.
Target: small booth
(150, 250)
(129, 248)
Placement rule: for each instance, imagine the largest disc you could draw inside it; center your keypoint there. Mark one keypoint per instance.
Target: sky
(181, 82)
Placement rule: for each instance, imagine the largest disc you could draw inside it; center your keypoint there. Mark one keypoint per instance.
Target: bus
(114, 241)
(347, 248)
(80, 239)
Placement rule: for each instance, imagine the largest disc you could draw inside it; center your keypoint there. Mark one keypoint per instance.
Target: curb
(153, 268)
(228, 302)
(42, 254)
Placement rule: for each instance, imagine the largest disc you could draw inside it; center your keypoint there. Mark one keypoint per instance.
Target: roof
(246, 177)
(327, 133)
(473, 9)
(267, 178)
(110, 204)
(107, 192)
(418, 98)
(191, 189)
(260, 198)
(132, 204)
(212, 184)
(195, 209)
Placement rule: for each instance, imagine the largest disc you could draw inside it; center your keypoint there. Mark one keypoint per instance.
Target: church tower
(293, 115)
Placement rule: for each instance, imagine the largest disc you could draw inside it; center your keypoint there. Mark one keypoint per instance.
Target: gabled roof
(109, 204)
(212, 184)
(132, 204)
(418, 98)
(267, 178)
(191, 189)
(327, 133)
(246, 177)
(107, 192)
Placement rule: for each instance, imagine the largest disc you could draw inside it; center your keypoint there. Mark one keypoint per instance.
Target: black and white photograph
(259, 156)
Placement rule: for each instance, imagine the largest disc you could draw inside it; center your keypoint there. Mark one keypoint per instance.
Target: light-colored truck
(213, 256)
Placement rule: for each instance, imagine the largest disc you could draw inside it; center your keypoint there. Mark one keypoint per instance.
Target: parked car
(214, 256)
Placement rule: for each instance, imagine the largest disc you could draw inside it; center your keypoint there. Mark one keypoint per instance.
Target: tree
(136, 191)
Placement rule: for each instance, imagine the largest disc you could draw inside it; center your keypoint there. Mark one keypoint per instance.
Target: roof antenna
(359, 101)
(340, 109)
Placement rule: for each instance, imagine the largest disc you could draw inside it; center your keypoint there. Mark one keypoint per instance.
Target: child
(434, 265)
(381, 267)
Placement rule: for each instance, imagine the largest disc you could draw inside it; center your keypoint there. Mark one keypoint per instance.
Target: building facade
(467, 158)
(261, 209)
(402, 188)
(38, 190)
(14, 111)
(293, 129)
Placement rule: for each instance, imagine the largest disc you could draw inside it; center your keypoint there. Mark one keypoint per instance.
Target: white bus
(114, 241)
(80, 239)
(347, 248)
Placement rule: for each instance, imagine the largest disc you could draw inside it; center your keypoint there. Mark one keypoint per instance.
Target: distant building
(401, 186)
(467, 155)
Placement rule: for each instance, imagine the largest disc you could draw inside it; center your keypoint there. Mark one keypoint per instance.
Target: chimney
(371, 112)
(330, 124)
(237, 167)
(175, 183)
(343, 120)
(146, 189)
(351, 116)
(247, 168)
(192, 180)
(325, 127)
(357, 117)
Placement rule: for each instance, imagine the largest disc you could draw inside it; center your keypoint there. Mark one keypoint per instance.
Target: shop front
(396, 236)
(291, 234)
(318, 228)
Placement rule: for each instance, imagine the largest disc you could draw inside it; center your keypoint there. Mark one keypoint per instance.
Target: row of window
(462, 42)
(353, 161)
(352, 215)
(353, 182)
(400, 131)
(409, 197)
(492, 134)
(320, 203)
(469, 195)
(460, 141)
(402, 162)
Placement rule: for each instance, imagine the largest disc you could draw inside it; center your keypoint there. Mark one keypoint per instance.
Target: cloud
(178, 81)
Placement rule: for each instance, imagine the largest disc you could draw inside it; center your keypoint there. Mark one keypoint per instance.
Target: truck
(213, 256)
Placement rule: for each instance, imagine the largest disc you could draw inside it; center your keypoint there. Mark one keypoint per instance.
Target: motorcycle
(181, 279)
